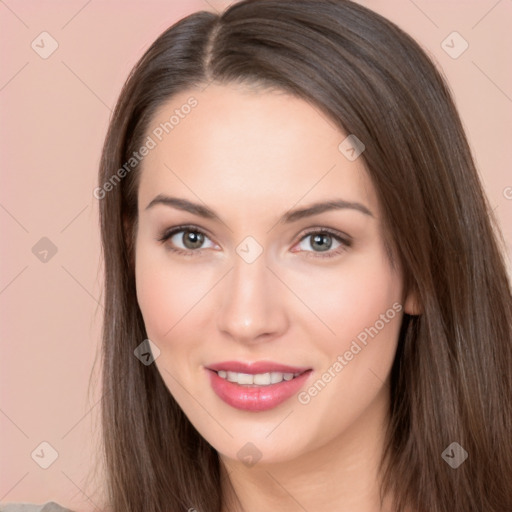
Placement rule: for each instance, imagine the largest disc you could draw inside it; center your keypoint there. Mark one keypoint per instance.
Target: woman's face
(249, 289)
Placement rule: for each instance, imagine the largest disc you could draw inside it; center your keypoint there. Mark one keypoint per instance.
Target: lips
(256, 367)
(254, 397)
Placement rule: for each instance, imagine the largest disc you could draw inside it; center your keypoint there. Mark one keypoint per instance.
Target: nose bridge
(251, 304)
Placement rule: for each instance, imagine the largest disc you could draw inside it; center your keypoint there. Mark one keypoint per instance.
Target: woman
(227, 125)
(249, 113)
(306, 306)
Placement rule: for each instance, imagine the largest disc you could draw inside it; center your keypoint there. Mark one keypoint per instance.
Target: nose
(252, 306)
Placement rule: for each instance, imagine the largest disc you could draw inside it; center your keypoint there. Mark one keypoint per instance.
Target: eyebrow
(288, 217)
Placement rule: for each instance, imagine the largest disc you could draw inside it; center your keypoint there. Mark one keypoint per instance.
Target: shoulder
(50, 506)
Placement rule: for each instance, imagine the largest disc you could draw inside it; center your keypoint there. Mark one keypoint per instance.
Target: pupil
(193, 240)
(321, 239)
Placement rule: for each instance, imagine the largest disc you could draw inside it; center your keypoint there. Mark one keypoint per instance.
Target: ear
(412, 304)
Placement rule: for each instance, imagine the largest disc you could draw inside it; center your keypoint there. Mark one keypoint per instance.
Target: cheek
(164, 294)
(175, 300)
(367, 326)
(349, 298)
(361, 303)
(155, 303)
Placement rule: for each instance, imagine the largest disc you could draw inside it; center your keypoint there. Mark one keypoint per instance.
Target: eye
(191, 239)
(322, 239)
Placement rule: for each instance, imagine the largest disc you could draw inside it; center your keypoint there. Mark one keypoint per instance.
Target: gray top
(50, 506)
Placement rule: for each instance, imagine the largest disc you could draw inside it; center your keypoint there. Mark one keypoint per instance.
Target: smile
(259, 379)
(256, 386)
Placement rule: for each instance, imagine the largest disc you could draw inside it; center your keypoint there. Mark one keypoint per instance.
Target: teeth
(258, 379)
(245, 378)
(262, 379)
(275, 377)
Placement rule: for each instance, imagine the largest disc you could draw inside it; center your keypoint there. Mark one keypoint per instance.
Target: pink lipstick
(257, 386)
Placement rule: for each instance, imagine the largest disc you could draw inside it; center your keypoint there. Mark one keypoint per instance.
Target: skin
(251, 156)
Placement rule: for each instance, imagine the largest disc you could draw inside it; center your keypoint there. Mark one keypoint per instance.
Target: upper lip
(256, 367)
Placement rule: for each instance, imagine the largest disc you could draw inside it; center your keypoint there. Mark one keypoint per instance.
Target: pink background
(55, 112)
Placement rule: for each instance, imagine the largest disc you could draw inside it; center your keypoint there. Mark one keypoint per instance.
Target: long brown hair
(451, 380)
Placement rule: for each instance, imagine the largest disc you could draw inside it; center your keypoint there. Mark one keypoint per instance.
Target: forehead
(248, 147)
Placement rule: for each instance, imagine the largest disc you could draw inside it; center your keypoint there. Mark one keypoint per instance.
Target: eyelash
(345, 241)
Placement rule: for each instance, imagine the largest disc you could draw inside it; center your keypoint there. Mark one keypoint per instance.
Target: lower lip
(256, 398)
